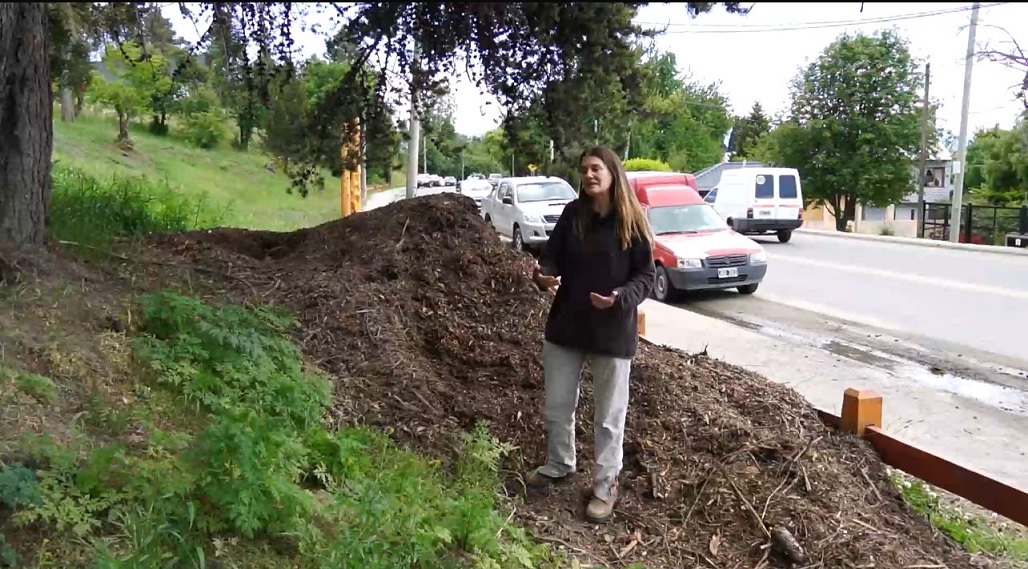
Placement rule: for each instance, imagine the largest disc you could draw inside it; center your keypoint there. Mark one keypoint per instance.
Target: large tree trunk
(26, 122)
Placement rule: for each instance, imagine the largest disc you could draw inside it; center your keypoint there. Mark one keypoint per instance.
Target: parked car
(755, 201)
(494, 178)
(475, 188)
(695, 248)
(526, 208)
(449, 181)
(424, 180)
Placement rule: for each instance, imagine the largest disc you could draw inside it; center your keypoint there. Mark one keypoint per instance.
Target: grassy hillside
(237, 184)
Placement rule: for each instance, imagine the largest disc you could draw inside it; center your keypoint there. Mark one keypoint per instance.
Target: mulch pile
(430, 324)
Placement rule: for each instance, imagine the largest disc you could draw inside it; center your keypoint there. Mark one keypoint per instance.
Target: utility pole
(414, 133)
(923, 160)
(958, 183)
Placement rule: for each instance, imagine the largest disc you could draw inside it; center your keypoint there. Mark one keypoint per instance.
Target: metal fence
(980, 224)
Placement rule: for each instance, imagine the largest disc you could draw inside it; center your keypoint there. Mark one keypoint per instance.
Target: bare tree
(1013, 56)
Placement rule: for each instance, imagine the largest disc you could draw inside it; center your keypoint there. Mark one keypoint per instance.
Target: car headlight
(684, 263)
(758, 258)
(529, 218)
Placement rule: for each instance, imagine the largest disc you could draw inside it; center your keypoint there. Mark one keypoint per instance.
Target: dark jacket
(596, 264)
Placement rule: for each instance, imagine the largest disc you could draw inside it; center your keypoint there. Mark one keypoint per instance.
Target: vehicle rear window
(765, 187)
(787, 187)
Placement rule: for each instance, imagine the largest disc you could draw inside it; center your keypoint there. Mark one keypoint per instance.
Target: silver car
(476, 189)
(525, 209)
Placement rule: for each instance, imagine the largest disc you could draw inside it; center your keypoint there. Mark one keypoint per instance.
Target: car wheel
(747, 289)
(517, 241)
(784, 235)
(663, 290)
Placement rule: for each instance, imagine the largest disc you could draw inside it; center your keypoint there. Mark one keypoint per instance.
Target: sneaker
(537, 479)
(600, 510)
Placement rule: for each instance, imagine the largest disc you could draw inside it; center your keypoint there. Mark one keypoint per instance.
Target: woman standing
(600, 256)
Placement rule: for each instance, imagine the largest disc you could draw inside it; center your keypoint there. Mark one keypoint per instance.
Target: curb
(969, 247)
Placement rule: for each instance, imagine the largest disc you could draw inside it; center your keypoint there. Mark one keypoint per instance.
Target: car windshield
(685, 219)
(545, 191)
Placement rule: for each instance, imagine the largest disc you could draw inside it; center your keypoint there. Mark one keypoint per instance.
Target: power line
(766, 28)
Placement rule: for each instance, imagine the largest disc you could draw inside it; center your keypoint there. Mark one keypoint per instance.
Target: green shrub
(87, 210)
(646, 164)
(205, 129)
(252, 463)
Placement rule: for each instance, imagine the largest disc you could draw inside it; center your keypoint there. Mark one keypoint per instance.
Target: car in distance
(476, 189)
(525, 209)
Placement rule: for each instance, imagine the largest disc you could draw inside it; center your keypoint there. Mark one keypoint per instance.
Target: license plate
(727, 273)
(765, 213)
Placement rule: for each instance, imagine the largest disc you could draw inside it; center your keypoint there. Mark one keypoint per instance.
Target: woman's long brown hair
(631, 220)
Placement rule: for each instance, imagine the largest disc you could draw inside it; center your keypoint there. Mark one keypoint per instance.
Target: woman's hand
(603, 302)
(545, 282)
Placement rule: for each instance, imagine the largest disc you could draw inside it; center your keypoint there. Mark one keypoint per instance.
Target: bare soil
(429, 324)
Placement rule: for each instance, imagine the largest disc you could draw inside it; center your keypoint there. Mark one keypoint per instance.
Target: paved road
(975, 304)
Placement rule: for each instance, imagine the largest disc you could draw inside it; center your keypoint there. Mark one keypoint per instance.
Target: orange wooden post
(640, 321)
(355, 183)
(861, 408)
(345, 181)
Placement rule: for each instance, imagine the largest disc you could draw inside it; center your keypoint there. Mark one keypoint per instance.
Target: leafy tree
(854, 130)
(979, 148)
(131, 88)
(747, 131)
(70, 28)
(682, 122)
(523, 48)
(997, 166)
(480, 157)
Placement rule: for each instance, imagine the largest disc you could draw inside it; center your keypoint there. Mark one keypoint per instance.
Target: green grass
(223, 452)
(233, 183)
(974, 532)
(91, 211)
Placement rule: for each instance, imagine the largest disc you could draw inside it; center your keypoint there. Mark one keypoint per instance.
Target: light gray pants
(562, 370)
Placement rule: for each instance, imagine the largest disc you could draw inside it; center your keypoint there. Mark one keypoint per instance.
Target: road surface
(959, 313)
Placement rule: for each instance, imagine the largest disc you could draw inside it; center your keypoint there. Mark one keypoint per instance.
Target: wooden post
(350, 178)
(861, 408)
(345, 179)
(640, 321)
(358, 186)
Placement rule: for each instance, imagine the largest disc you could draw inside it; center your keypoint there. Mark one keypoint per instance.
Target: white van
(755, 201)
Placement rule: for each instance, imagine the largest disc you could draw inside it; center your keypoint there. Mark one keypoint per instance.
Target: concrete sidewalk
(959, 429)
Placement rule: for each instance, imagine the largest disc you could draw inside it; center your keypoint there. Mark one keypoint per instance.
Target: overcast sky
(753, 57)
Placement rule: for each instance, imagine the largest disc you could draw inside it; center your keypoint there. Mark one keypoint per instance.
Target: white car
(525, 209)
(476, 189)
